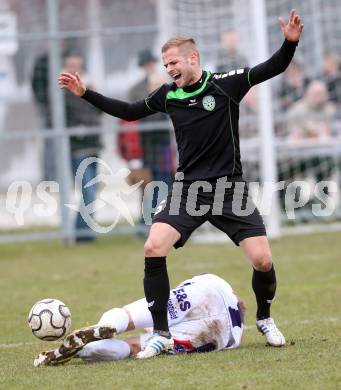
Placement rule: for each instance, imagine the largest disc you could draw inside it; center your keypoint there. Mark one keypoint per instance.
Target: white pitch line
(16, 345)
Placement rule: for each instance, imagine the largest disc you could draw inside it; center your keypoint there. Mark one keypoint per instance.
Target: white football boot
(273, 336)
(157, 345)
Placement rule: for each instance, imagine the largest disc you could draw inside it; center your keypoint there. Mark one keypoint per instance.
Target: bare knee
(161, 239)
(153, 248)
(258, 251)
(262, 261)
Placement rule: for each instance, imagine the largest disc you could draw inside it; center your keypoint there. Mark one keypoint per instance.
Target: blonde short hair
(178, 41)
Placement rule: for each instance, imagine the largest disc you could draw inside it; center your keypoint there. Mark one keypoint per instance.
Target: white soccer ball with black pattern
(49, 319)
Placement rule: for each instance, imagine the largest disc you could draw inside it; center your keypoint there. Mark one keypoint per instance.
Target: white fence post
(62, 157)
(268, 165)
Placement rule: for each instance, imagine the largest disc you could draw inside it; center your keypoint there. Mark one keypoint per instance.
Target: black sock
(264, 286)
(156, 289)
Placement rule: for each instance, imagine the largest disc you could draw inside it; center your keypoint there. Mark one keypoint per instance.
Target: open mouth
(177, 77)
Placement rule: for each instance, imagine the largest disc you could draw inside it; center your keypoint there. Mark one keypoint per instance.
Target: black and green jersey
(205, 115)
(205, 120)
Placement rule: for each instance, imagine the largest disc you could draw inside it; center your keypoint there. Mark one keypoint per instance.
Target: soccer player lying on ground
(204, 109)
(204, 315)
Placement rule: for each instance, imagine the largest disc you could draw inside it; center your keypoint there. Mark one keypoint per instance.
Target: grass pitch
(93, 278)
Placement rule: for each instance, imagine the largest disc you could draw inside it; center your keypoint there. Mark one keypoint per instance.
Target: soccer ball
(49, 319)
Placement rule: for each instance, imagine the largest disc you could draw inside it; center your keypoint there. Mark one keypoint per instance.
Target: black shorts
(230, 210)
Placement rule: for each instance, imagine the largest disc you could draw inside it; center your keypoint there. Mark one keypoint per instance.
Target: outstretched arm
(281, 59)
(114, 107)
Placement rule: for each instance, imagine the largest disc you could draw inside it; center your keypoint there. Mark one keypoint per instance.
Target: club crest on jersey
(208, 102)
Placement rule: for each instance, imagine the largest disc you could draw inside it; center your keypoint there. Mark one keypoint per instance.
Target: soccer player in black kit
(204, 109)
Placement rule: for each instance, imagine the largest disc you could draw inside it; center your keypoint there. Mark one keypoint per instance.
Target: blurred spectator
(332, 77)
(82, 116)
(310, 119)
(149, 154)
(41, 93)
(292, 85)
(229, 56)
